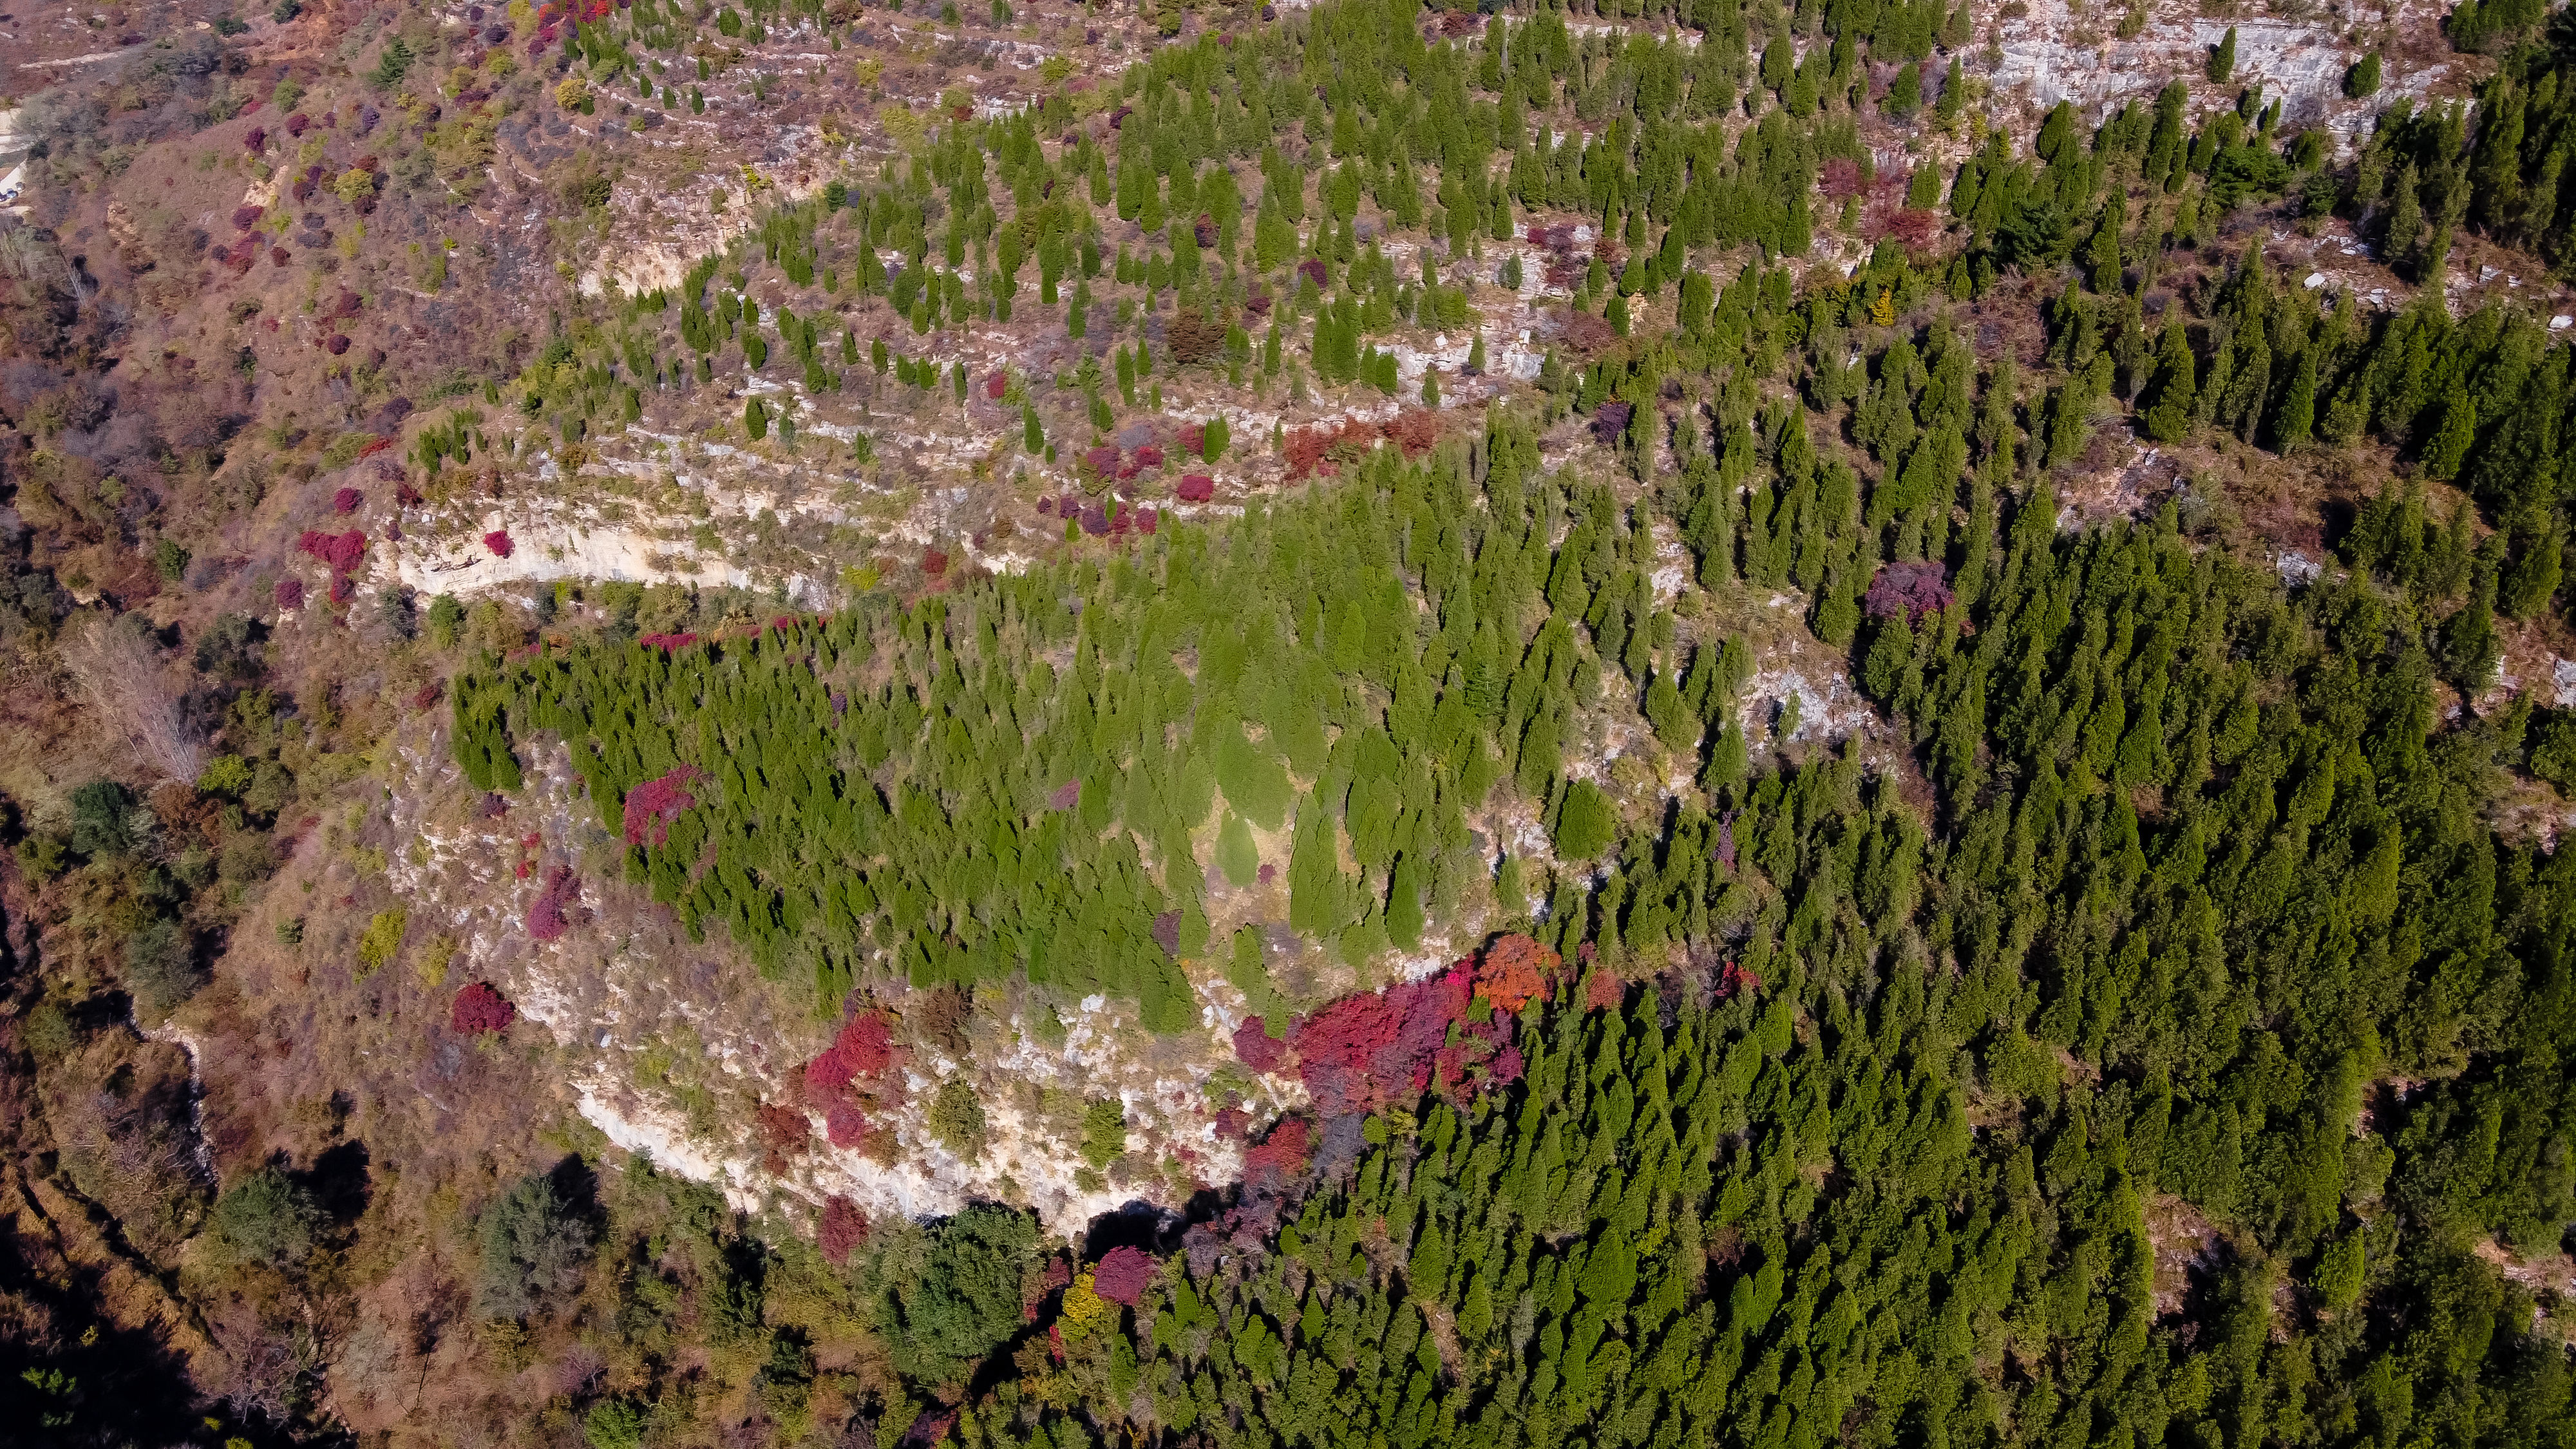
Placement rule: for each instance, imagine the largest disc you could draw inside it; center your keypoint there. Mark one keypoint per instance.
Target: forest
(2138, 1017)
(2156, 1053)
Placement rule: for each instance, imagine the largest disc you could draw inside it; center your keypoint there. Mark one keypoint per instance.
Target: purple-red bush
(1196, 488)
(1376, 1048)
(667, 643)
(498, 540)
(845, 1124)
(546, 921)
(1910, 589)
(844, 1228)
(933, 562)
(653, 805)
(1610, 419)
(246, 217)
(289, 594)
(341, 552)
(1122, 1275)
(1149, 456)
(1256, 1048)
(480, 1008)
(1314, 268)
(347, 500)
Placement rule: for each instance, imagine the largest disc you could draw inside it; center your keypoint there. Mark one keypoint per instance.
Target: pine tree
(2297, 415)
(2222, 59)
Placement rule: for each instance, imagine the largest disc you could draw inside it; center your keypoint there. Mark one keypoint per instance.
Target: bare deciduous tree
(123, 677)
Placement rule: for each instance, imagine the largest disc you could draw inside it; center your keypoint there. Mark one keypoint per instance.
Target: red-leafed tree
(347, 500)
(1603, 990)
(480, 1008)
(1513, 969)
(340, 552)
(498, 540)
(1122, 1275)
(864, 1047)
(1278, 1157)
(653, 805)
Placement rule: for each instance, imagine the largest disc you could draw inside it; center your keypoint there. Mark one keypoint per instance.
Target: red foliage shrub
(784, 1130)
(1278, 1157)
(1732, 978)
(1146, 520)
(289, 594)
(336, 344)
(1314, 268)
(1414, 430)
(845, 1124)
(844, 1229)
(298, 124)
(480, 1008)
(1308, 450)
(1101, 461)
(1585, 332)
(427, 695)
(246, 217)
(339, 551)
(667, 643)
(255, 139)
(1256, 1048)
(498, 540)
(653, 805)
(996, 385)
(1065, 796)
(864, 1047)
(1204, 230)
(347, 500)
(278, 257)
(1908, 226)
(1513, 969)
(546, 921)
(1840, 178)
(1196, 488)
(1910, 589)
(1149, 456)
(933, 562)
(1193, 439)
(1603, 990)
(1122, 1275)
